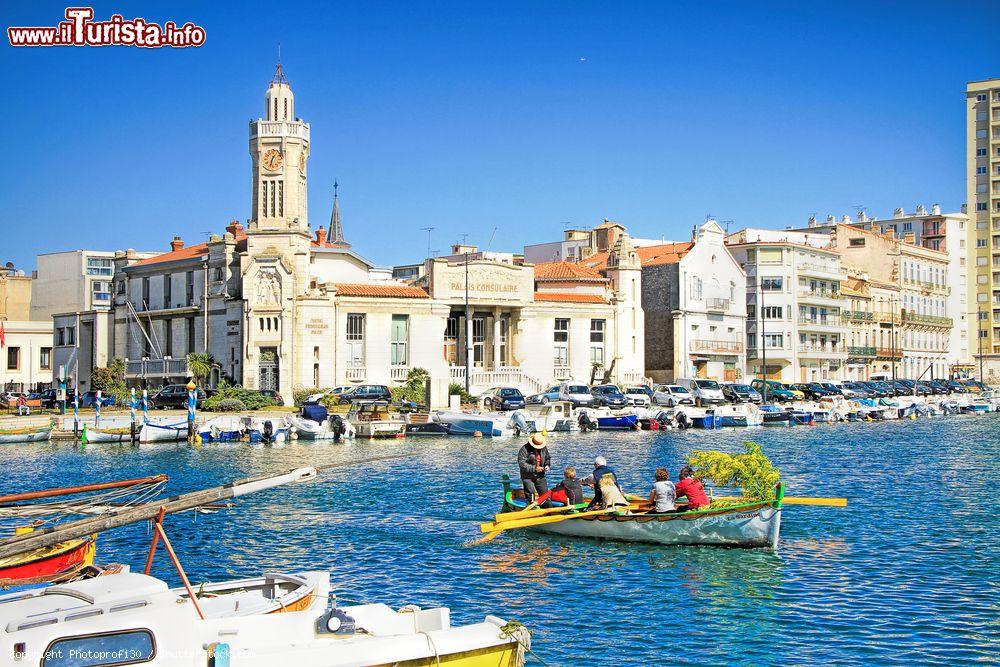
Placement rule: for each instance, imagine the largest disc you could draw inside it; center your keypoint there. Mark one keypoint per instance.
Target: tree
(110, 380)
(200, 365)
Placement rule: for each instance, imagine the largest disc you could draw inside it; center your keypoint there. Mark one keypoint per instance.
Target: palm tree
(200, 365)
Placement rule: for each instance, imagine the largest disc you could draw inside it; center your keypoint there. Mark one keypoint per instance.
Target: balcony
(927, 320)
(857, 316)
(831, 321)
(819, 295)
(159, 368)
(888, 353)
(562, 373)
(860, 352)
(817, 269)
(705, 345)
(888, 318)
(356, 373)
(398, 373)
(821, 350)
(717, 305)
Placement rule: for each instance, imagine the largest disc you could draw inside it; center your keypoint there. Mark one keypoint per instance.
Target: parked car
(797, 394)
(875, 389)
(705, 391)
(365, 392)
(856, 389)
(637, 396)
(503, 398)
(741, 393)
(775, 391)
(940, 387)
(672, 395)
(50, 398)
(578, 394)
(608, 396)
(89, 398)
(173, 396)
(957, 387)
(835, 389)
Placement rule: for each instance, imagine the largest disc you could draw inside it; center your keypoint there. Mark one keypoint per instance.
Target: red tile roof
(569, 297)
(176, 255)
(651, 255)
(567, 271)
(385, 291)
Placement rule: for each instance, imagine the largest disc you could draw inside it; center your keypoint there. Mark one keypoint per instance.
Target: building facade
(795, 309)
(983, 196)
(278, 306)
(25, 344)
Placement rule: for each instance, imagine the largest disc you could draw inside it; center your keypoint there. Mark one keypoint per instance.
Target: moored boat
(48, 562)
(291, 619)
(244, 429)
(37, 433)
(163, 432)
(372, 419)
(553, 416)
(117, 434)
(608, 419)
(332, 428)
(488, 424)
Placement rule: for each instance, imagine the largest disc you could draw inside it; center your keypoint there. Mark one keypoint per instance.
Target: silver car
(672, 395)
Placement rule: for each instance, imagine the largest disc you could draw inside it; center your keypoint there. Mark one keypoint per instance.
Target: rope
(430, 640)
(520, 633)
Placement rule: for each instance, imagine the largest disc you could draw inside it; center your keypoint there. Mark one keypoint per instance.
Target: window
(560, 337)
(190, 334)
(101, 290)
(980, 134)
(771, 312)
(355, 340)
(907, 226)
(281, 198)
(751, 311)
(60, 336)
(400, 333)
(857, 242)
(116, 648)
(770, 256)
(773, 340)
(168, 337)
(220, 274)
(71, 335)
(189, 288)
(771, 284)
(167, 289)
(145, 293)
(980, 152)
(981, 97)
(13, 358)
(597, 342)
(980, 170)
(980, 243)
(45, 358)
(99, 266)
(981, 206)
(696, 286)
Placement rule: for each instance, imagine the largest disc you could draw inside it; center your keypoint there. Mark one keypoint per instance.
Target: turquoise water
(906, 574)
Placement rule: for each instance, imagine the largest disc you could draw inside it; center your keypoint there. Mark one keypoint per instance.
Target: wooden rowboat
(724, 524)
(94, 434)
(25, 434)
(270, 594)
(152, 432)
(48, 562)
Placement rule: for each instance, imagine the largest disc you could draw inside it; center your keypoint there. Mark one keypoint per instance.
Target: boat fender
(337, 622)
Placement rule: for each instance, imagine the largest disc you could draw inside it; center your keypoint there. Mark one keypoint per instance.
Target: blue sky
(472, 116)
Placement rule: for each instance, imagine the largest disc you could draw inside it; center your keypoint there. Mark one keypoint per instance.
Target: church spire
(336, 234)
(279, 73)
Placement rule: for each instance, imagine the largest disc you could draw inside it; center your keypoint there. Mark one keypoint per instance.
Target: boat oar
(526, 513)
(493, 527)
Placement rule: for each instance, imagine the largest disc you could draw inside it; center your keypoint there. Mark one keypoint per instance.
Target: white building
(794, 304)
(279, 306)
(26, 345)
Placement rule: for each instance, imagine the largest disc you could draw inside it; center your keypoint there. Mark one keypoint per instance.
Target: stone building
(26, 362)
(279, 306)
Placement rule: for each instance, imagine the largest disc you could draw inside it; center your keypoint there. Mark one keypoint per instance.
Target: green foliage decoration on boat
(752, 471)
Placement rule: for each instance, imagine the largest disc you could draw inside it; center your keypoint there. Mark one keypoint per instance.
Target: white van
(705, 391)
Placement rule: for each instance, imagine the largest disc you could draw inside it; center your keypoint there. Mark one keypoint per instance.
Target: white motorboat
(372, 419)
(487, 424)
(332, 428)
(265, 621)
(554, 416)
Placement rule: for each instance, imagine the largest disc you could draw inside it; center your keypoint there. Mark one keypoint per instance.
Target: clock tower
(279, 150)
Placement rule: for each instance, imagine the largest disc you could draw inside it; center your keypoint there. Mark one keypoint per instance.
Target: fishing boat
(423, 423)
(162, 432)
(725, 524)
(48, 563)
(552, 416)
(244, 429)
(275, 619)
(741, 415)
(774, 414)
(692, 417)
(332, 428)
(37, 433)
(608, 419)
(92, 434)
(372, 419)
(488, 424)
(977, 405)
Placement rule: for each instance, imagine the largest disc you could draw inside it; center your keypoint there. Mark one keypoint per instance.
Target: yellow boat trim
(501, 655)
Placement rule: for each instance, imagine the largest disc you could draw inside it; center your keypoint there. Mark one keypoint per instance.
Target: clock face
(302, 162)
(272, 160)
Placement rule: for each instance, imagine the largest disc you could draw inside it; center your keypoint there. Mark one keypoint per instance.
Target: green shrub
(752, 471)
(300, 394)
(251, 400)
(458, 389)
(230, 405)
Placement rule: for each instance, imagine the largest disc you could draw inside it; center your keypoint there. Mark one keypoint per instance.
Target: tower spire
(279, 73)
(336, 232)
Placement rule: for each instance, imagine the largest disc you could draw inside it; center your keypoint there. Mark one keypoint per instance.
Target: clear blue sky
(470, 116)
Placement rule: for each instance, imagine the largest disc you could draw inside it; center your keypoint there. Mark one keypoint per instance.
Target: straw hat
(537, 441)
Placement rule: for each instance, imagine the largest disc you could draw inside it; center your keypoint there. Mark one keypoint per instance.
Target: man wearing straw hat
(533, 461)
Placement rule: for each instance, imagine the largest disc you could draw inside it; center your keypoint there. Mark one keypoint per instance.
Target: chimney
(321, 236)
(234, 227)
(921, 210)
(897, 213)
(176, 244)
(830, 218)
(846, 220)
(935, 209)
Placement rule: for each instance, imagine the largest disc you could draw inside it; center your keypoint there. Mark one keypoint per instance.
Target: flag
(3, 335)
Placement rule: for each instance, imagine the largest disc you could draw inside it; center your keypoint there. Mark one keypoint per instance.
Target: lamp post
(763, 348)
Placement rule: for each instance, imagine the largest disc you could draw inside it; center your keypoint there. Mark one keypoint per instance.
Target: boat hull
(14, 436)
(61, 558)
(746, 527)
(618, 422)
(163, 432)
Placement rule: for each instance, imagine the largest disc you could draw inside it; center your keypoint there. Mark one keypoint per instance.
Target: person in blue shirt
(601, 469)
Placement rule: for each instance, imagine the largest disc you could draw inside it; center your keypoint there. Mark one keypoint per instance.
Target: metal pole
(131, 408)
(468, 331)
(763, 349)
(145, 406)
(979, 333)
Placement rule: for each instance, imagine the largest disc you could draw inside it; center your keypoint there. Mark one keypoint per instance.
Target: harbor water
(906, 574)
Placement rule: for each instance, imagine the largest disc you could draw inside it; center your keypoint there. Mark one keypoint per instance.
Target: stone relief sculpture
(268, 288)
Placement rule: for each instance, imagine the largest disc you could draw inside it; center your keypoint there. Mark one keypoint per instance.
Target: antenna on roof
(492, 236)
(465, 237)
(727, 223)
(428, 230)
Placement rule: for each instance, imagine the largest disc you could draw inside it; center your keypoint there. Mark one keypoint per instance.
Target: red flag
(3, 336)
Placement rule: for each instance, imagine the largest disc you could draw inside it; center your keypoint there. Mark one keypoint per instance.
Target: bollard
(192, 403)
(97, 408)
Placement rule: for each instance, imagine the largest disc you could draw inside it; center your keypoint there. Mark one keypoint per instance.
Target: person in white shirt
(663, 494)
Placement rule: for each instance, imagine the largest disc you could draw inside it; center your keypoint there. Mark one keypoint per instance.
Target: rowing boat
(25, 434)
(93, 434)
(153, 432)
(51, 561)
(724, 523)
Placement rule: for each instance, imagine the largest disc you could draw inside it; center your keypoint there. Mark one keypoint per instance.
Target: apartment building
(26, 344)
(910, 290)
(795, 326)
(982, 100)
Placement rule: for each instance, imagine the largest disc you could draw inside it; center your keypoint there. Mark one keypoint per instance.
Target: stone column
(496, 338)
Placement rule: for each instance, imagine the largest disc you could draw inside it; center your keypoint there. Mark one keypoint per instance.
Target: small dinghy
(156, 432)
(487, 424)
(94, 434)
